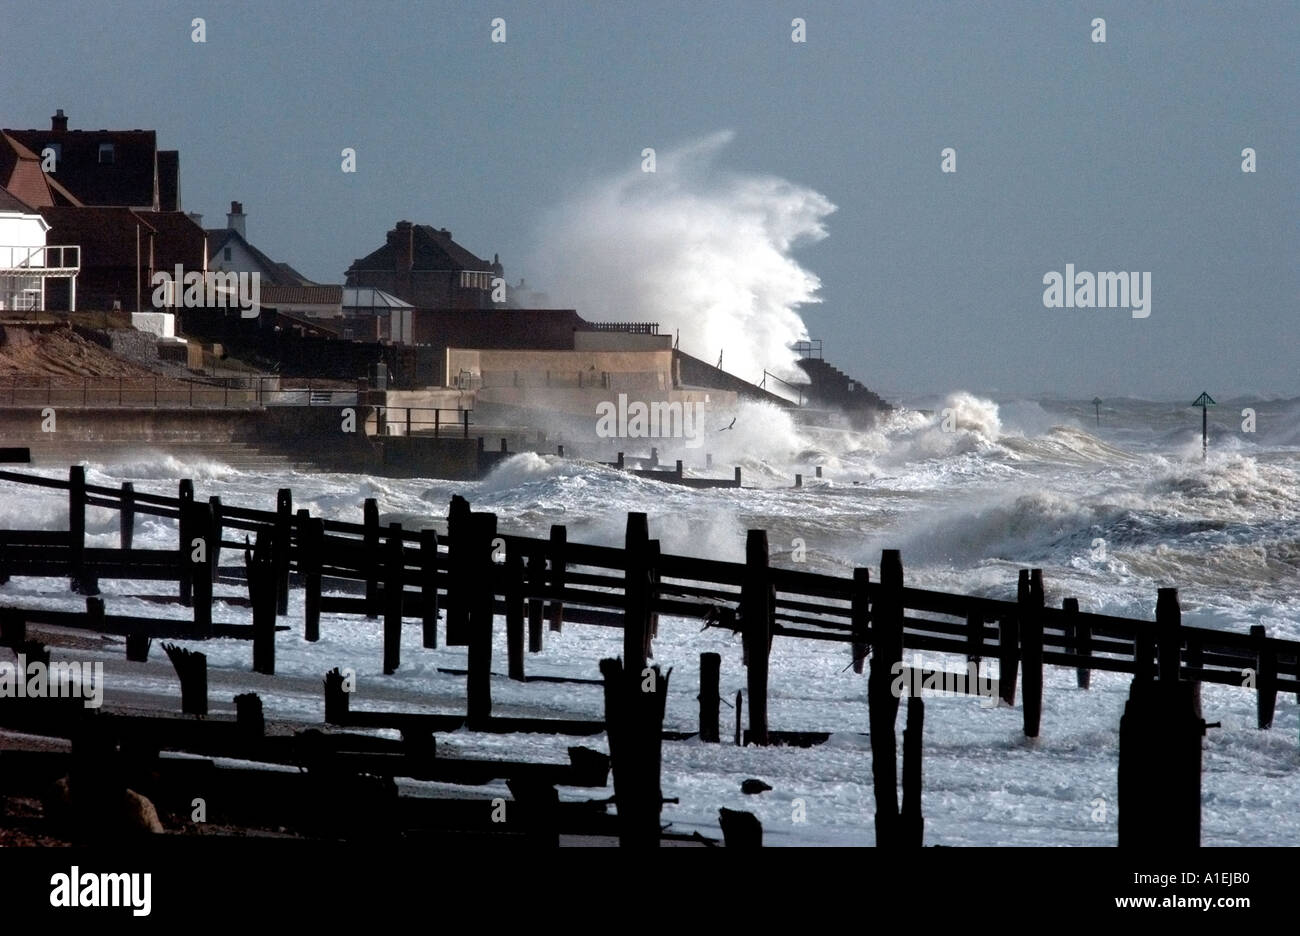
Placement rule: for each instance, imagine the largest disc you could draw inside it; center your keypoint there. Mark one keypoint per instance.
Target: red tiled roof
(10, 202)
(21, 175)
(297, 295)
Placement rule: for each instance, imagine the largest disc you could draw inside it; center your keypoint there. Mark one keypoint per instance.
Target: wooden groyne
(470, 573)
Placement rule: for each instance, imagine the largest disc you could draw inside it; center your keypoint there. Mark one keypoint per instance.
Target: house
(425, 267)
(27, 263)
(230, 251)
(121, 249)
(21, 176)
(119, 168)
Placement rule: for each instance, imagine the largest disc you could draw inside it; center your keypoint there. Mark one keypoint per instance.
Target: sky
(823, 157)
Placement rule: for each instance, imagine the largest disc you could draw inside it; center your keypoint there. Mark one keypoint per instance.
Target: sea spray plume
(692, 247)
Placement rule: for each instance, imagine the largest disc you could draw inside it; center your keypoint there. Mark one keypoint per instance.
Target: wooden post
(280, 548)
(370, 540)
(634, 719)
(737, 476)
(740, 829)
(429, 587)
(740, 706)
(678, 470)
(77, 527)
(514, 595)
(819, 471)
(636, 593)
(185, 494)
(261, 572)
(798, 480)
(536, 586)
(886, 658)
(1265, 677)
(311, 557)
(200, 531)
(911, 822)
(192, 669)
(756, 618)
(1168, 633)
(1009, 644)
(861, 618)
(250, 721)
(1082, 633)
(126, 516)
(974, 639)
(559, 539)
(218, 529)
(710, 701)
(459, 548)
(394, 565)
(1160, 766)
(1031, 639)
(483, 529)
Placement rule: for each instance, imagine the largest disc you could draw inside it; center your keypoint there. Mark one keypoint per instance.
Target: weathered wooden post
(78, 580)
(1265, 676)
(370, 561)
(311, 560)
(126, 516)
(740, 706)
(1081, 632)
(634, 714)
(636, 593)
(336, 698)
(1160, 766)
(886, 663)
(860, 616)
(185, 495)
(559, 547)
(260, 569)
(798, 480)
(459, 549)
(394, 566)
(482, 530)
(514, 597)
(710, 701)
(536, 587)
(218, 530)
(911, 822)
(137, 647)
(756, 608)
(429, 587)
(281, 546)
(199, 557)
(192, 670)
(1031, 641)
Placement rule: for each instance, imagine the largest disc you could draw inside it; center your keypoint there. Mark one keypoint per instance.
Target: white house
(26, 261)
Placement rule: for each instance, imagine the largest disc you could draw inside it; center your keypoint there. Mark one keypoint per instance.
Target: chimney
(402, 238)
(196, 218)
(59, 123)
(235, 219)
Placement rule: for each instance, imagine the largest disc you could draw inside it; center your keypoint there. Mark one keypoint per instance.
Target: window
(55, 150)
(106, 154)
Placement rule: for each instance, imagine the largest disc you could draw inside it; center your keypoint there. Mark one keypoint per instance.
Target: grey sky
(1116, 156)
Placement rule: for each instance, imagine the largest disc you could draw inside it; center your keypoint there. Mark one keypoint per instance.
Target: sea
(1111, 502)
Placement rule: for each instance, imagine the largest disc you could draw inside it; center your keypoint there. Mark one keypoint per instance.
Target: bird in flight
(725, 428)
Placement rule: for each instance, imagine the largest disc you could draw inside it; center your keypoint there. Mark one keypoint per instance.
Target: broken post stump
(192, 670)
(634, 715)
(740, 829)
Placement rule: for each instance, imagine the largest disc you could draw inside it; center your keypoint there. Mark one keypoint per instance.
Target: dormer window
(52, 151)
(106, 154)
